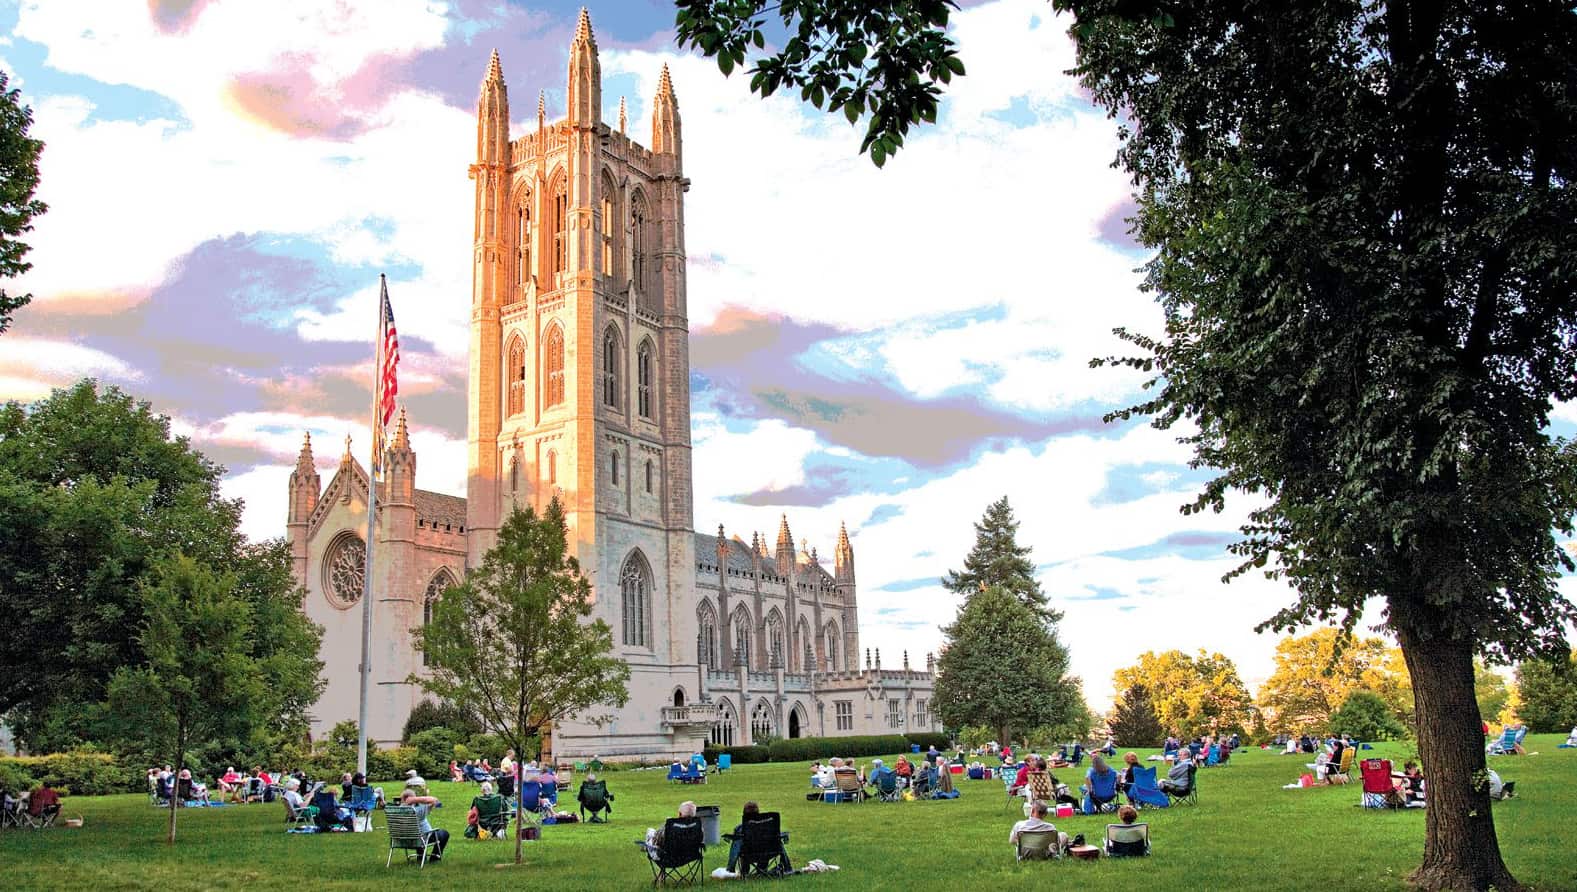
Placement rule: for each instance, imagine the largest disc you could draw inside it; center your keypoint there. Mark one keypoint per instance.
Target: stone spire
(304, 457)
(495, 70)
(843, 557)
(492, 116)
(624, 120)
(402, 438)
(784, 551)
(346, 458)
(665, 116)
(304, 485)
(585, 76)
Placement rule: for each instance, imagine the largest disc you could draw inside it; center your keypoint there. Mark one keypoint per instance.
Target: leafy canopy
(1316, 672)
(18, 182)
(1192, 696)
(1365, 716)
(1547, 694)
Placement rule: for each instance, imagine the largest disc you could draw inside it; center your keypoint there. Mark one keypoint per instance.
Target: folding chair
(1144, 791)
(763, 848)
(1008, 775)
(1189, 796)
(1037, 786)
(1038, 845)
(492, 815)
(1344, 767)
(1101, 792)
(724, 762)
(565, 774)
(1506, 745)
(848, 786)
(679, 858)
(676, 772)
(362, 803)
(305, 816)
(1378, 791)
(405, 833)
(11, 811)
(45, 818)
(886, 781)
(1127, 840)
(594, 795)
(535, 800)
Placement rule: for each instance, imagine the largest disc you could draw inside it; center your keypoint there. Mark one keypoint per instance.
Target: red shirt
(42, 798)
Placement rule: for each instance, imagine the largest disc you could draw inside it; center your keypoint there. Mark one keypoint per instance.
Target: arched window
(761, 721)
(559, 221)
(441, 581)
(808, 655)
(553, 366)
(706, 636)
(830, 646)
(775, 650)
(610, 223)
(517, 376)
(678, 696)
(643, 379)
(635, 585)
(514, 475)
(648, 476)
(613, 466)
(612, 367)
(523, 241)
(727, 721)
(742, 633)
(639, 260)
(553, 467)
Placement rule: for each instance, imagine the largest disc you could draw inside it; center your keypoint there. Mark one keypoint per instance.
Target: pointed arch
(612, 368)
(706, 635)
(441, 581)
(830, 645)
(798, 721)
(648, 476)
(727, 726)
(635, 589)
(763, 722)
(777, 651)
(558, 226)
(553, 467)
(610, 225)
(742, 630)
(807, 645)
(645, 378)
(515, 372)
(641, 255)
(552, 366)
(514, 475)
(523, 271)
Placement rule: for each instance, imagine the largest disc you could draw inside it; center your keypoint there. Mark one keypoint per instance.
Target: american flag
(388, 377)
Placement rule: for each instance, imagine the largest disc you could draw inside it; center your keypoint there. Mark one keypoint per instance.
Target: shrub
(401, 760)
(435, 748)
(428, 715)
(1365, 716)
(740, 755)
(79, 774)
(14, 778)
(925, 739)
(800, 749)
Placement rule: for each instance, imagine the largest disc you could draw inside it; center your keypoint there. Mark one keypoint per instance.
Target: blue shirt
(421, 815)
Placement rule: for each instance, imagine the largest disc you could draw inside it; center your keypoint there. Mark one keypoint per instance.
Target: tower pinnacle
(585, 76)
(304, 458)
(495, 70)
(402, 439)
(665, 116)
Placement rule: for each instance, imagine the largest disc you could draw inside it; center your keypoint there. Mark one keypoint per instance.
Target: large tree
(1547, 694)
(1314, 674)
(512, 643)
(1133, 722)
(997, 560)
(1003, 667)
(1192, 695)
(197, 678)
(18, 181)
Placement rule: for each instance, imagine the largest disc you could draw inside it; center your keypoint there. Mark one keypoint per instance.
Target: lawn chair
(362, 803)
(725, 762)
(1037, 787)
(405, 833)
(886, 781)
(1213, 755)
(1038, 845)
(679, 859)
(565, 774)
(1144, 791)
(676, 773)
(11, 810)
(492, 816)
(1506, 745)
(44, 819)
(1378, 791)
(1009, 774)
(1344, 768)
(298, 818)
(1127, 840)
(594, 795)
(1102, 787)
(762, 848)
(535, 800)
(848, 786)
(1189, 796)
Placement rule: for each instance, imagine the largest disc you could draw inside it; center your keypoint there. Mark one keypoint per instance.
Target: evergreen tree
(1003, 667)
(998, 560)
(1134, 722)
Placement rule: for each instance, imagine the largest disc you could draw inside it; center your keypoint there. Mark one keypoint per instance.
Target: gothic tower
(579, 375)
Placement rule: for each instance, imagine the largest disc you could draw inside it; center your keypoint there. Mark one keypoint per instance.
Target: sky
(892, 349)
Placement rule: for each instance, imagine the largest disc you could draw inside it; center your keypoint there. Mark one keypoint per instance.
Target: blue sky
(893, 349)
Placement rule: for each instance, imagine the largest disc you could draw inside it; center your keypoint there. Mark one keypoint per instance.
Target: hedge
(740, 755)
(78, 774)
(927, 739)
(800, 749)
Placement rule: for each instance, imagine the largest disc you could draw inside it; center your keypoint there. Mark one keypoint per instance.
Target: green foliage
(804, 749)
(997, 560)
(927, 739)
(401, 760)
(79, 773)
(1315, 673)
(1365, 716)
(739, 755)
(1003, 666)
(975, 735)
(18, 182)
(1490, 690)
(14, 778)
(1134, 722)
(1192, 695)
(428, 714)
(434, 750)
(1547, 694)
(881, 61)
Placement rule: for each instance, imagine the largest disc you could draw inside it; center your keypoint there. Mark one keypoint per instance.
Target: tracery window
(553, 366)
(523, 241)
(643, 379)
(761, 722)
(706, 639)
(741, 638)
(344, 569)
(636, 589)
(830, 646)
(775, 651)
(441, 581)
(611, 368)
(638, 247)
(517, 376)
(610, 222)
(560, 227)
(723, 731)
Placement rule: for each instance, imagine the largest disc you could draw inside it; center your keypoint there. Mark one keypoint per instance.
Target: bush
(741, 755)
(1365, 716)
(927, 739)
(78, 774)
(435, 748)
(428, 715)
(401, 760)
(801, 749)
(15, 779)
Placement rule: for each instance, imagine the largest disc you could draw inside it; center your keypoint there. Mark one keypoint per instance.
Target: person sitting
(1035, 823)
(485, 767)
(1179, 780)
(1409, 785)
(686, 810)
(1292, 746)
(293, 796)
(1101, 783)
(232, 783)
(737, 838)
(594, 795)
(1126, 840)
(188, 790)
(944, 777)
(1021, 777)
(1170, 748)
(44, 801)
(1306, 744)
(414, 781)
(1499, 790)
(825, 778)
(1571, 740)
(344, 786)
(423, 805)
(1333, 763)
(903, 769)
(1125, 777)
(331, 815)
(455, 774)
(489, 812)
(548, 779)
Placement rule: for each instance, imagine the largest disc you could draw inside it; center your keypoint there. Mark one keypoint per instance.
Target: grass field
(1246, 833)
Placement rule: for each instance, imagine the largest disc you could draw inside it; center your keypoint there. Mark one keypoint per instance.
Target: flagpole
(372, 514)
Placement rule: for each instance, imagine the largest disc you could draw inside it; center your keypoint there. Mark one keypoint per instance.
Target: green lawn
(1247, 832)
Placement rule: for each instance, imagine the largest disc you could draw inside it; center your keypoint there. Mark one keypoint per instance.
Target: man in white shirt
(293, 794)
(1037, 821)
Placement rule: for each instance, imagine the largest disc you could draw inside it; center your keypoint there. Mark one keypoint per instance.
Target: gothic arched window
(830, 645)
(706, 636)
(808, 657)
(611, 368)
(344, 568)
(553, 467)
(775, 649)
(523, 241)
(610, 223)
(441, 581)
(514, 475)
(553, 366)
(639, 259)
(723, 731)
(648, 476)
(761, 721)
(559, 221)
(517, 376)
(643, 379)
(635, 588)
(742, 634)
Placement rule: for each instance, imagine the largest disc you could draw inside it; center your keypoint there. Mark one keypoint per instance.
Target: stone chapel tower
(579, 359)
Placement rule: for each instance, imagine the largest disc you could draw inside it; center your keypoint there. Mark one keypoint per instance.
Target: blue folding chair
(1100, 792)
(725, 762)
(362, 803)
(1145, 791)
(676, 772)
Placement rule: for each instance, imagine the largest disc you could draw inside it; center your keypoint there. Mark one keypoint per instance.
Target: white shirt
(1030, 825)
(294, 798)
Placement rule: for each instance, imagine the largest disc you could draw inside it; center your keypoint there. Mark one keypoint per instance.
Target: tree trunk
(1460, 849)
(519, 809)
(175, 784)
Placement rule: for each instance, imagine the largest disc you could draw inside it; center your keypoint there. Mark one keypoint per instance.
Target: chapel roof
(438, 508)
(738, 552)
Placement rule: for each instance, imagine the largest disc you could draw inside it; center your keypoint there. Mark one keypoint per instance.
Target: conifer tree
(1133, 721)
(998, 560)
